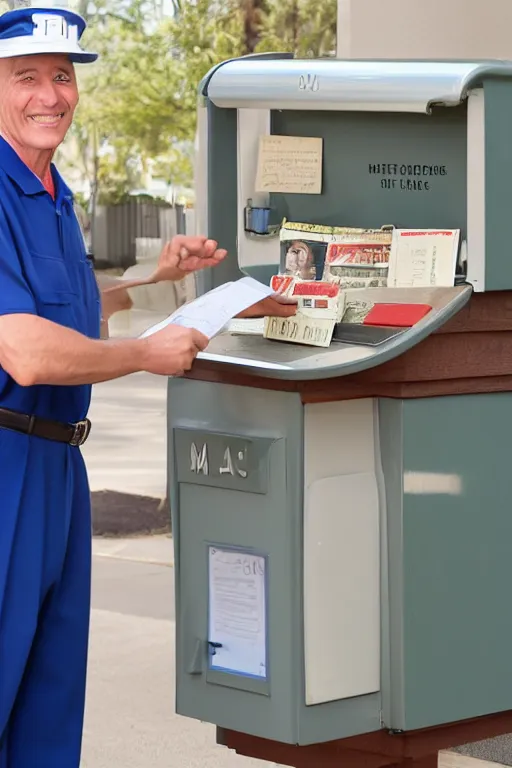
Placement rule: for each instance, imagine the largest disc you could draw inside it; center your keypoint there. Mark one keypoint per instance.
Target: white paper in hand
(210, 313)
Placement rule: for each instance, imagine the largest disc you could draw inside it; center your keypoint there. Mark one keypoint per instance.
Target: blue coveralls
(45, 527)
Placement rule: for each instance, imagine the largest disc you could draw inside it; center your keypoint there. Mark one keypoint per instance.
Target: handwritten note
(237, 612)
(290, 164)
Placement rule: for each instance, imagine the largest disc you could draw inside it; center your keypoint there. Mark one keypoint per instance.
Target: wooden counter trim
(483, 313)
(415, 749)
(413, 389)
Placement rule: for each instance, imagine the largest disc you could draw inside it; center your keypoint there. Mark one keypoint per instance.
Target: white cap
(27, 31)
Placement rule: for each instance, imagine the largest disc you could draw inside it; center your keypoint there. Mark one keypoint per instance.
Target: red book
(397, 315)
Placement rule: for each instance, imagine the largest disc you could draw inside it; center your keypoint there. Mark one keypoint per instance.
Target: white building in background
(425, 29)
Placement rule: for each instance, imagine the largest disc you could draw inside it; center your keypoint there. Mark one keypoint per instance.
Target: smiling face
(39, 97)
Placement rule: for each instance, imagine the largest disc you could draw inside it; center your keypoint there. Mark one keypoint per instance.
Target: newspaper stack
(320, 305)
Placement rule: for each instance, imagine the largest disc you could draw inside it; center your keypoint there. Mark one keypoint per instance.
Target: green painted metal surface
(450, 563)
(269, 523)
(372, 162)
(392, 573)
(447, 527)
(222, 460)
(498, 173)
(222, 196)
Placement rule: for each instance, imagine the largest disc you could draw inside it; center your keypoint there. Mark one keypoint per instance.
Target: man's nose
(48, 94)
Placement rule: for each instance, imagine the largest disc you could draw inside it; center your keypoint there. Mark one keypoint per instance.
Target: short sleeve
(15, 294)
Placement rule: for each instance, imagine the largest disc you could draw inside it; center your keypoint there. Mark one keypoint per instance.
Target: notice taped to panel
(237, 612)
(290, 164)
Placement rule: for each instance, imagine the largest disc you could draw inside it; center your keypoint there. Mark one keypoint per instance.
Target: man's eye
(28, 79)
(62, 79)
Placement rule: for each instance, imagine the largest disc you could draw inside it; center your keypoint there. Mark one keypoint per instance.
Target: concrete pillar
(424, 29)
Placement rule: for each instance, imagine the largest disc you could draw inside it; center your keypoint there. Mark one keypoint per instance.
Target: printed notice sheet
(237, 612)
(210, 312)
(421, 258)
(290, 164)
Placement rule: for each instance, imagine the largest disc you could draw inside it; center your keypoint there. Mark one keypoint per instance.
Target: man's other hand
(171, 351)
(269, 307)
(184, 254)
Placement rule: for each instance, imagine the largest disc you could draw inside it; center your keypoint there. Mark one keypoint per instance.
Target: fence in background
(124, 234)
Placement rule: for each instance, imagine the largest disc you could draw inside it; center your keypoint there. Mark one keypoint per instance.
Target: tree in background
(253, 14)
(303, 27)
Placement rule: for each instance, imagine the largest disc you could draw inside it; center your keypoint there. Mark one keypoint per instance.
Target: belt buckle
(80, 433)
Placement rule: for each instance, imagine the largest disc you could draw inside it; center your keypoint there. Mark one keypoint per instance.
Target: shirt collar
(24, 178)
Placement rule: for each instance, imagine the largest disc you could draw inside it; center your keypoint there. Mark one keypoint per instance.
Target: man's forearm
(114, 296)
(117, 294)
(36, 351)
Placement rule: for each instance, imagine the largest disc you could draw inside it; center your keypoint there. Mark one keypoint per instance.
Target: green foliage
(204, 33)
(137, 111)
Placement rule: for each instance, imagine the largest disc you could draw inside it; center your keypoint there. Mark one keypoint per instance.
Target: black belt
(73, 434)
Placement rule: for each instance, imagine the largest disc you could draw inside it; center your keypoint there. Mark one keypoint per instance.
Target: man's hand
(269, 307)
(171, 351)
(184, 254)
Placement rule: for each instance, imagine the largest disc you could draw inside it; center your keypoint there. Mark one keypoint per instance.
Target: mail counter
(341, 515)
(379, 500)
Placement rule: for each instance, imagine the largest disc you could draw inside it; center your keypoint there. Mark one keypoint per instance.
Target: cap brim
(82, 58)
(75, 54)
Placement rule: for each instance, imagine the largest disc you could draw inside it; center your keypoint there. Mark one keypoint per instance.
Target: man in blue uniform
(50, 354)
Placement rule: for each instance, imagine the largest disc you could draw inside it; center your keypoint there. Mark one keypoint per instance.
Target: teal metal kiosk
(342, 516)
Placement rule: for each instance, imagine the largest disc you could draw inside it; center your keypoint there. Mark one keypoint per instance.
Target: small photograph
(303, 259)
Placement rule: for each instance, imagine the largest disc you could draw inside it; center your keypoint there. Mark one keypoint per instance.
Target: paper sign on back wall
(290, 164)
